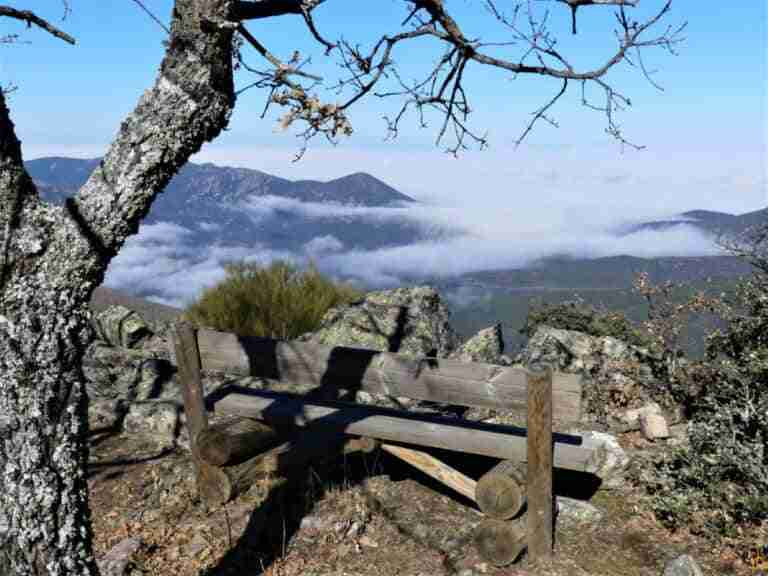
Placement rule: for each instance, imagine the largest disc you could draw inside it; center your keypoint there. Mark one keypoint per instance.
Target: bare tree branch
(151, 15)
(574, 5)
(257, 9)
(31, 18)
(441, 89)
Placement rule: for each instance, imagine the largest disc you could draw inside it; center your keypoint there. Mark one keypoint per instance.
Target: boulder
(485, 346)
(156, 420)
(120, 326)
(612, 460)
(412, 321)
(409, 321)
(617, 376)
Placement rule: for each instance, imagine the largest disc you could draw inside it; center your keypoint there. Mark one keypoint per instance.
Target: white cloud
(160, 261)
(323, 244)
(515, 206)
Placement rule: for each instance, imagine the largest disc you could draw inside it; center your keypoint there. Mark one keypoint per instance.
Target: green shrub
(581, 317)
(274, 302)
(720, 480)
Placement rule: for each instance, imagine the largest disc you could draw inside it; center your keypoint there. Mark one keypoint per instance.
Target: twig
(31, 18)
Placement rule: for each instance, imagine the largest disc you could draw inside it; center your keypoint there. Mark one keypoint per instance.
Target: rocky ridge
(134, 391)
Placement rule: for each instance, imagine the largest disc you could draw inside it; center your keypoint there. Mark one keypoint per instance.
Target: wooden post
(188, 361)
(539, 454)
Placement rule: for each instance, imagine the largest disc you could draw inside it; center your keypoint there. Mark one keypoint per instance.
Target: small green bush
(581, 317)
(275, 302)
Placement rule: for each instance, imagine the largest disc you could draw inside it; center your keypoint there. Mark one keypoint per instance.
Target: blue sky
(705, 133)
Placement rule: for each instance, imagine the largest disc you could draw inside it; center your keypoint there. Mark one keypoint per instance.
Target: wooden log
(218, 485)
(539, 481)
(504, 442)
(434, 468)
(500, 542)
(500, 492)
(341, 368)
(188, 359)
(235, 441)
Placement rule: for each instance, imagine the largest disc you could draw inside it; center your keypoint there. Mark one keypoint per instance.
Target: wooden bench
(276, 431)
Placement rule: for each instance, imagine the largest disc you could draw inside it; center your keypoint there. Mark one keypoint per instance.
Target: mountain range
(714, 223)
(239, 206)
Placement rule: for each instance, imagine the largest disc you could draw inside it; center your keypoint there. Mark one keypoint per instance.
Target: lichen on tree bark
(53, 257)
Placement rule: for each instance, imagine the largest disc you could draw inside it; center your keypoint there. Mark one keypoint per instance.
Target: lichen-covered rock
(576, 510)
(610, 461)
(115, 372)
(106, 414)
(574, 351)
(617, 376)
(485, 346)
(412, 321)
(157, 421)
(120, 326)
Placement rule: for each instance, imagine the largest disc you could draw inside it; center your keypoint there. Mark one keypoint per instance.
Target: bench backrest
(473, 384)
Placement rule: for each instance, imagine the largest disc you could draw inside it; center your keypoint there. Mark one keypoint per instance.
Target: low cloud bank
(162, 264)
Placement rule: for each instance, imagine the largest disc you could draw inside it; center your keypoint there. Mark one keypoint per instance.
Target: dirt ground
(367, 515)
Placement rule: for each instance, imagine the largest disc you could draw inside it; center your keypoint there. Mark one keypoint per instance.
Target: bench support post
(188, 362)
(539, 477)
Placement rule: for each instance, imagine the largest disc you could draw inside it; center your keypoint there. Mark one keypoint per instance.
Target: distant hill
(608, 273)
(714, 223)
(209, 201)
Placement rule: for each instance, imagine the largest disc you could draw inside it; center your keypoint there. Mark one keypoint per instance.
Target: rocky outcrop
(485, 346)
(619, 378)
(133, 388)
(412, 321)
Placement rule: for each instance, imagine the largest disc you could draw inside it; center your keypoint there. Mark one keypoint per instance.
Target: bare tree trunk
(52, 258)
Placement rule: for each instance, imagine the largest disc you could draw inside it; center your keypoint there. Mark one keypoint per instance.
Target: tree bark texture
(51, 259)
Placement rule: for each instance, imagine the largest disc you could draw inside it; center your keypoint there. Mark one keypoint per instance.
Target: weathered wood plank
(435, 468)
(504, 442)
(539, 481)
(184, 342)
(438, 380)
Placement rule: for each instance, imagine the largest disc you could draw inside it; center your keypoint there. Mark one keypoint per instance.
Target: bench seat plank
(505, 442)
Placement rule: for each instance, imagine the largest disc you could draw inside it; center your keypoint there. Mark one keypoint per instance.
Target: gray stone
(106, 413)
(610, 459)
(631, 418)
(683, 565)
(412, 321)
(653, 426)
(155, 420)
(577, 510)
(148, 385)
(485, 346)
(120, 326)
(118, 560)
(616, 375)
